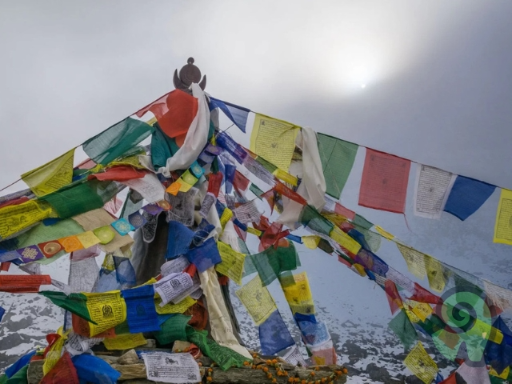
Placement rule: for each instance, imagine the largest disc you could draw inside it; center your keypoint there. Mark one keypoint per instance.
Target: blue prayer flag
(140, 309)
(235, 113)
(125, 272)
(274, 335)
(2, 312)
(179, 239)
(205, 256)
(466, 196)
(92, 369)
(499, 356)
(230, 176)
(20, 363)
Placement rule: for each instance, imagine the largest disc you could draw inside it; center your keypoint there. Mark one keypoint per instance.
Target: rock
(129, 357)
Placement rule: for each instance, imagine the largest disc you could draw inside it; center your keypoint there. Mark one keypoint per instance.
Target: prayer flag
(274, 140)
(432, 189)
(474, 374)
(63, 372)
(107, 310)
(116, 140)
(415, 260)
(2, 313)
(274, 335)
(235, 113)
(31, 253)
(345, 212)
(257, 300)
(15, 218)
(125, 341)
(71, 244)
(337, 158)
(403, 328)
(298, 295)
(421, 364)
(503, 226)
(205, 256)
(466, 196)
(92, 369)
(140, 309)
(50, 248)
(23, 283)
(232, 264)
(384, 182)
(119, 173)
(52, 176)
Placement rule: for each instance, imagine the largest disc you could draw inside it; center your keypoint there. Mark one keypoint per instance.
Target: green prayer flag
(272, 262)
(372, 239)
(337, 158)
(311, 218)
(267, 165)
(74, 303)
(361, 222)
(256, 190)
(42, 233)
(73, 200)
(223, 356)
(162, 148)
(116, 140)
(19, 377)
(173, 329)
(403, 328)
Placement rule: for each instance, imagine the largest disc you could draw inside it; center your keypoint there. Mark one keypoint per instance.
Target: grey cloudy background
(426, 80)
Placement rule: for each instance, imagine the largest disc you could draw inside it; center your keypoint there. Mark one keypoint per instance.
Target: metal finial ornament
(188, 74)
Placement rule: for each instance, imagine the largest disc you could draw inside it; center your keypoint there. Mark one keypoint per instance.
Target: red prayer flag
(345, 212)
(384, 182)
(120, 173)
(269, 196)
(63, 372)
(452, 379)
(394, 299)
(214, 183)
(157, 107)
(23, 283)
(50, 248)
(240, 182)
(423, 296)
(14, 201)
(4, 266)
(289, 193)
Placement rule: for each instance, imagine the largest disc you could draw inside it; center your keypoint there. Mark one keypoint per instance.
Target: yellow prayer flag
(421, 364)
(107, 309)
(53, 355)
(414, 259)
(130, 160)
(359, 269)
(274, 140)
(232, 264)
(254, 231)
(226, 216)
(345, 240)
(299, 295)
(384, 233)
(108, 262)
(51, 176)
(15, 218)
(503, 225)
(436, 273)
(169, 308)
(125, 341)
(187, 181)
(503, 375)
(421, 310)
(286, 177)
(257, 300)
(88, 239)
(311, 242)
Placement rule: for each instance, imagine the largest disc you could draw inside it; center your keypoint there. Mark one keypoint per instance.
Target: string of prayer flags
(63, 372)
(23, 283)
(238, 115)
(257, 300)
(125, 341)
(51, 176)
(421, 364)
(274, 335)
(384, 182)
(466, 196)
(116, 140)
(372, 262)
(232, 264)
(15, 218)
(310, 217)
(205, 256)
(92, 369)
(274, 140)
(337, 158)
(432, 190)
(140, 309)
(403, 328)
(503, 225)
